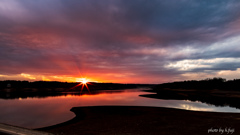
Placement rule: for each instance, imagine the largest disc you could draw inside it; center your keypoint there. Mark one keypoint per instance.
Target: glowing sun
(83, 82)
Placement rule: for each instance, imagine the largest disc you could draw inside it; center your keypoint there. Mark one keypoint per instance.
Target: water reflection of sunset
(52, 110)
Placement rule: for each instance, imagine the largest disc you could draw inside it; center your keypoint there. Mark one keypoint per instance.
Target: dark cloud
(218, 67)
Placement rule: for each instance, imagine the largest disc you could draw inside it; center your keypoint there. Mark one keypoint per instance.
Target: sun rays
(84, 83)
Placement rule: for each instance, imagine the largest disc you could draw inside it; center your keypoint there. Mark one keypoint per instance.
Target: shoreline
(145, 120)
(214, 97)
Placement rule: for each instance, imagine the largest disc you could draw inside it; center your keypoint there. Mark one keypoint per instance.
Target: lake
(36, 112)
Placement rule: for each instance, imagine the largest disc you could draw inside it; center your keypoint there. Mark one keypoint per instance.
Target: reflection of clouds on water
(39, 112)
(199, 106)
(190, 107)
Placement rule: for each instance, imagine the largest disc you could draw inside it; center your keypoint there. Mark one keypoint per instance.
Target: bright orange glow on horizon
(80, 77)
(82, 80)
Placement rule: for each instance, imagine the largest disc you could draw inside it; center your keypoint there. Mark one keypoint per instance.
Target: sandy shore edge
(146, 120)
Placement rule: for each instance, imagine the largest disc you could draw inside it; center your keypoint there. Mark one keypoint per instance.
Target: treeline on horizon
(206, 84)
(52, 85)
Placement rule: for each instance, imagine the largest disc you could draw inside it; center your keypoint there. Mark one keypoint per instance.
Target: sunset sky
(122, 41)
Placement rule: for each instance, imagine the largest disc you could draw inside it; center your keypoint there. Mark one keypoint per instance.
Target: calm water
(41, 112)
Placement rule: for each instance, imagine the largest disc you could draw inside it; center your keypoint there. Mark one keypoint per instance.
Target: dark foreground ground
(146, 120)
(6, 129)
